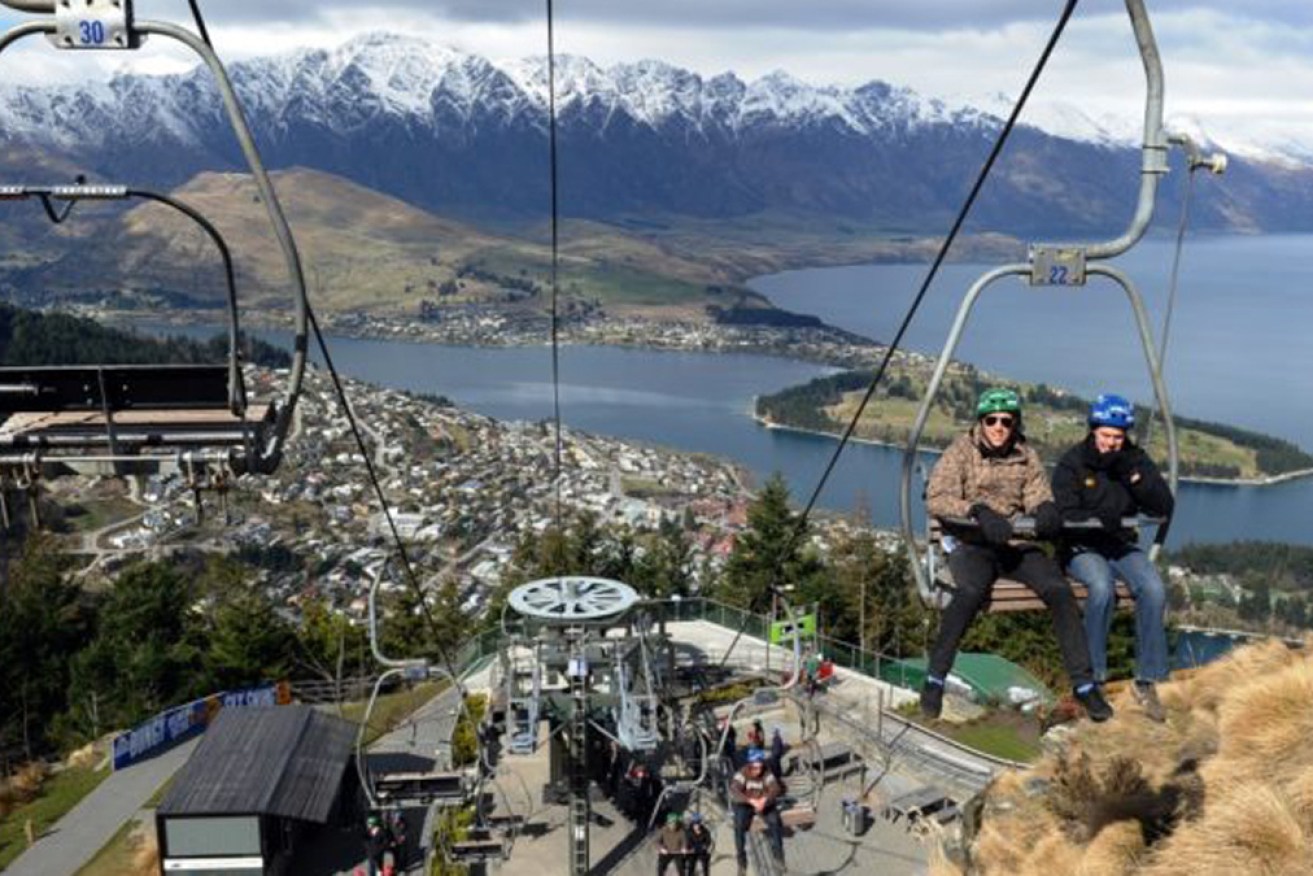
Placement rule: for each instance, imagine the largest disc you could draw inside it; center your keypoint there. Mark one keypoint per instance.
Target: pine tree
(771, 554)
(249, 643)
(43, 622)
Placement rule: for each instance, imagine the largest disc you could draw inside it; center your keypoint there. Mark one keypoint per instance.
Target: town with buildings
(462, 488)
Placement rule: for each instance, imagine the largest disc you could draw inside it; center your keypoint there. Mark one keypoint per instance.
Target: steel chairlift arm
(270, 455)
(1153, 150)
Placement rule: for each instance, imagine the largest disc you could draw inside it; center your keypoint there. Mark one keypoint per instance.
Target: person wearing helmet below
(671, 845)
(376, 844)
(700, 843)
(989, 476)
(754, 791)
(1106, 477)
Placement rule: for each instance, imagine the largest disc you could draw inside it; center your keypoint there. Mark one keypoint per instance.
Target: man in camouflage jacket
(987, 477)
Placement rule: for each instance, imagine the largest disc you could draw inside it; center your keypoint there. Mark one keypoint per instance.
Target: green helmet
(998, 401)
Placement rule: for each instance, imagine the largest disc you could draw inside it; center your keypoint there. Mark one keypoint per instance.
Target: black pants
(774, 831)
(670, 860)
(975, 568)
(694, 860)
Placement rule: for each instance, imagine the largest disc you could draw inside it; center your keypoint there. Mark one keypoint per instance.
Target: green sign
(782, 631)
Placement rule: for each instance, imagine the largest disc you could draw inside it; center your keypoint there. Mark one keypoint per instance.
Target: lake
(702, 402)
(1239, 351)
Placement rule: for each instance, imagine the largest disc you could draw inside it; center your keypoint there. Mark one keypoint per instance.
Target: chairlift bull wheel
(574, 598)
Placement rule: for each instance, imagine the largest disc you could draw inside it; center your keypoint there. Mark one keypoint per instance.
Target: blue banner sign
(183, 722)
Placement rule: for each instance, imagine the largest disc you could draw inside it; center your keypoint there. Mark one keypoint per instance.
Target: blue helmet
(1113, 411)
(756, 755)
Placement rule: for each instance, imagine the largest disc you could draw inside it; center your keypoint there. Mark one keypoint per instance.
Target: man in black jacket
(1107, 478)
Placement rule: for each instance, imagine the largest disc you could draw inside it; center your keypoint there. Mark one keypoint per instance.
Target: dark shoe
(1146, 694)
(932, 700)
(1095, 705)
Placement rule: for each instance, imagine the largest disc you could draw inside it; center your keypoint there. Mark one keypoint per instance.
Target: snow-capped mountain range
(454, 131)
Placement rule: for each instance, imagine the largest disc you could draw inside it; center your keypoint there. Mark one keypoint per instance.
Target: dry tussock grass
(26, 782)
(1116, 851)
(146, 858)
(1267, 724)
(1253, 829)
(1225, 787)
(22, 787)
(1300, 791)
(85, 757)
(1211, 684)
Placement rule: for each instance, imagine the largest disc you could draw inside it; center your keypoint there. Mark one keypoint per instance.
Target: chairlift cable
(999, 143)
(402, 553)
(555, 274)
(345, 405)
(200, 22)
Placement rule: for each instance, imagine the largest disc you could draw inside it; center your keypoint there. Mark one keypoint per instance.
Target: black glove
(994, 527)
(1048, 521)
(1123, 466)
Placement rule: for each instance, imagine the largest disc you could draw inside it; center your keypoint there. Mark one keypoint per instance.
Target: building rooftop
(284, 760)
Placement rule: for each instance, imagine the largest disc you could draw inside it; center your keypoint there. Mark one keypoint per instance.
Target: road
(80, 834)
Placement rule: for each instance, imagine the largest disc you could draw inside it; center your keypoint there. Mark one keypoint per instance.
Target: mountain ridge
(458, 133)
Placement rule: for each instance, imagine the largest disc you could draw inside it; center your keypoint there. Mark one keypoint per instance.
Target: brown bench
(1008, 595)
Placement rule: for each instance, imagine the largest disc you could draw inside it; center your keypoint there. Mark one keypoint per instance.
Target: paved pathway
(81, 833)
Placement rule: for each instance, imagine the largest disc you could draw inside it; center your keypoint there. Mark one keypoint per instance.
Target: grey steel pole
(1155, 371)
(276, 217)
(1153, 150)
(923, 584)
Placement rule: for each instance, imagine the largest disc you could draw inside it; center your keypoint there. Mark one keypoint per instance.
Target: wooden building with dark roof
(259, 782)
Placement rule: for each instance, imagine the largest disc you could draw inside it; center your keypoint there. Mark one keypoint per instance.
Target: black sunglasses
(996, 419)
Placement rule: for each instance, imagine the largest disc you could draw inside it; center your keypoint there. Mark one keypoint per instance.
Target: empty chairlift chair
(114, 415)
(123, 416)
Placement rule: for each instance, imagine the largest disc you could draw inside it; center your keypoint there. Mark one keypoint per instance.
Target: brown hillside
(1224, 787)
(364, 250)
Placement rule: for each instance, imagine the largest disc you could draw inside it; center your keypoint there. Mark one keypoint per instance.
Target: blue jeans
(1096, 571)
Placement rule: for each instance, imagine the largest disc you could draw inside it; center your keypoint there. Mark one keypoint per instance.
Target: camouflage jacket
(1012, 483)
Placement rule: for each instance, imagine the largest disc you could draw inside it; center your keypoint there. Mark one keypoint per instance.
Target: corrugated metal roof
(285, 760)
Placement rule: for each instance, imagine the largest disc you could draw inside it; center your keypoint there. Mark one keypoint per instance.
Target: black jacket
(1089, 484)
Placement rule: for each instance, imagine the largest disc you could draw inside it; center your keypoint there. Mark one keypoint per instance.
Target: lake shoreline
(830, 358)
(1270, 480)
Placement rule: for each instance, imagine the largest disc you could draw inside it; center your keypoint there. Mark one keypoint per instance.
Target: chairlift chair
(117, 415)
(130, 412)
(1059, 265)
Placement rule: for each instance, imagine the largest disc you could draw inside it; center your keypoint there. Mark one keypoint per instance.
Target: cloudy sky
(1243, 70)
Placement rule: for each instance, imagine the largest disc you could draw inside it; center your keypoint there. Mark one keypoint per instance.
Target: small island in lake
(1053, 420)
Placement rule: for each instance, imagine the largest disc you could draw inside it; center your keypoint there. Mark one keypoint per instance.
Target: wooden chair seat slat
(1008, 595)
